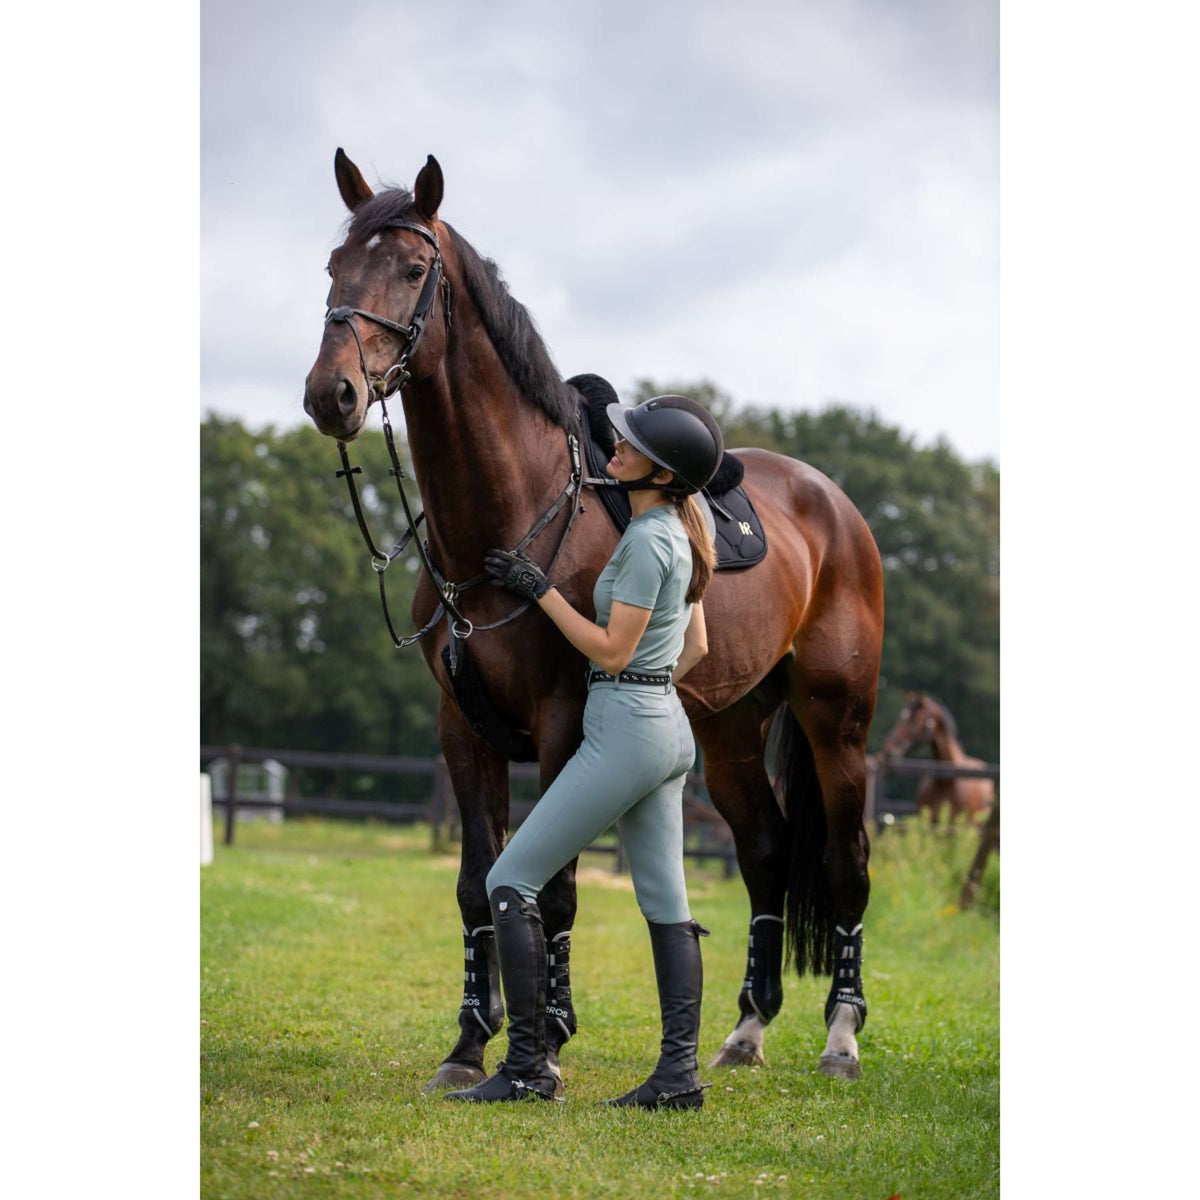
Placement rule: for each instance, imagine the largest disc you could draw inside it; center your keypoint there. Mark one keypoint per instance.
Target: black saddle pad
(737, 531)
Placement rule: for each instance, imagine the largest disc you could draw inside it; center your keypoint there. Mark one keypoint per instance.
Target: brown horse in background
(923, 720)
(797, 636)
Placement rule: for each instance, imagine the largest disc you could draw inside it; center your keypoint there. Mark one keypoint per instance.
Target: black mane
(508, 323)
(514, 335)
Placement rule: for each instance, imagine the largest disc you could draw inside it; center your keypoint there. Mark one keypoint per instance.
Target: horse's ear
(428, 189)
(351, 184)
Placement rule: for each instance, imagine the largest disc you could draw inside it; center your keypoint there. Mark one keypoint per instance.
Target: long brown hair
(704, 553)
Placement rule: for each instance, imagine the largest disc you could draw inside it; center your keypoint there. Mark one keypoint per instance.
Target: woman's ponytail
(704, 553)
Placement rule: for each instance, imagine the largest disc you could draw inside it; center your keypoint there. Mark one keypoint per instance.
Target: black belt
(595, 676)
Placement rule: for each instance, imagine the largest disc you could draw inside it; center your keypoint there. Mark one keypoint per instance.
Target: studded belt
(595, 676)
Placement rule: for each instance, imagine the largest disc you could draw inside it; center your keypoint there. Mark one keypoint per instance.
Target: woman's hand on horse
(517, 573)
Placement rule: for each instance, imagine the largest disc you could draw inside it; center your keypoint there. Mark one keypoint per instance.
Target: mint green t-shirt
(650, 568)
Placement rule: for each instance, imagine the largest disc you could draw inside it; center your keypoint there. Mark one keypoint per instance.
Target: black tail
(809, 899)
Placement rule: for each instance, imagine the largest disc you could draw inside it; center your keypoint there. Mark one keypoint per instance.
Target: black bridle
(380, 387)
(396, 376)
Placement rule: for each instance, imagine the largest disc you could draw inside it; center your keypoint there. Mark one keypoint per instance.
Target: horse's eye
(415, 273)
(329, 270)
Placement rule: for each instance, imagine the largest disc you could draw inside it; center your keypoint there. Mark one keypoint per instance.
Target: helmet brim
(616, 415)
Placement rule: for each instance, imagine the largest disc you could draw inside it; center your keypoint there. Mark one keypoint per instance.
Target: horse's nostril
(347, 398)
(308, 408)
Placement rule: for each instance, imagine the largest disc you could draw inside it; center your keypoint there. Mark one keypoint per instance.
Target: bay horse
(923, 720)
(492, 431)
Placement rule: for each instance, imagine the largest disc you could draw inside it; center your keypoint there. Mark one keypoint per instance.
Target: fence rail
(937, 768)
(439, 809)
(878, 768)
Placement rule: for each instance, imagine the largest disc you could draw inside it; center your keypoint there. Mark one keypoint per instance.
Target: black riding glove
(517, 573)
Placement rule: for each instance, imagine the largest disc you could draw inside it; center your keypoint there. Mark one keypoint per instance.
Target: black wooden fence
(879, 768)
(709, 835)
(709, 838)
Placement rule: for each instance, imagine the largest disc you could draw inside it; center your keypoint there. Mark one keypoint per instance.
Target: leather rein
(385, 385)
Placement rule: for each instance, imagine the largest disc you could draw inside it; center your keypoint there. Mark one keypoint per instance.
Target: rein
(387, 384)
(448, 592)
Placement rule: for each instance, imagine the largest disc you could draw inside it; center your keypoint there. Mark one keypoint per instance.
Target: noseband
(381, 386)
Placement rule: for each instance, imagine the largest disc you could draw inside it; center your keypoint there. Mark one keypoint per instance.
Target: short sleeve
(641, 568)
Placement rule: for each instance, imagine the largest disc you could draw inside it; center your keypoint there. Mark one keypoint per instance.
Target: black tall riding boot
(521, 946)
(677, 967)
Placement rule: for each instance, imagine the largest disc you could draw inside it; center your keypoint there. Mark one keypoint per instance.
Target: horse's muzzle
(336, 409)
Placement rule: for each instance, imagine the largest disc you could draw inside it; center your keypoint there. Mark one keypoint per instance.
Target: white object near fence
(261, 782)
(206, 839)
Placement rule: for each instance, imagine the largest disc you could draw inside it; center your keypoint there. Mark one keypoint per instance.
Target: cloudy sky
(796, 200)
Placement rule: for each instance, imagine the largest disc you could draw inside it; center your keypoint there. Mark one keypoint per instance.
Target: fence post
(292, 794)
(619, 863)
(871, 800)
(441, 788)
(235, 761)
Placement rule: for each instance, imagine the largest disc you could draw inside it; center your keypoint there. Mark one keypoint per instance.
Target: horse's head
(917, 724)
(388, 283)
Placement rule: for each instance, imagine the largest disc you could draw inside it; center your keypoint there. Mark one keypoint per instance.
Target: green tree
(294, 652)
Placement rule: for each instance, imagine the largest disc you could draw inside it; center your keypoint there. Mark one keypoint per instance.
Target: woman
(637, 748)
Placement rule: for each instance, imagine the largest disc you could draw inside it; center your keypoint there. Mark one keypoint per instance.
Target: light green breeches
(637, 748)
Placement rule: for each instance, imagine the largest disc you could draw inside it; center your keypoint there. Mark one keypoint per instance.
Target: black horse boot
(521, 946)
(675, 1082)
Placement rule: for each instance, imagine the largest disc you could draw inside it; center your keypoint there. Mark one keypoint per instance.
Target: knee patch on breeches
(501, 876)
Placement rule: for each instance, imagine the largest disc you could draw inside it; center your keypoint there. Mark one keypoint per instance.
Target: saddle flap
(738, 533)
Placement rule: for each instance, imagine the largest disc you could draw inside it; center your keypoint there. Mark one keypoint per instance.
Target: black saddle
(737, 531)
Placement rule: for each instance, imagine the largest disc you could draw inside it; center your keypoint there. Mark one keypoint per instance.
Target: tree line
(293, 648)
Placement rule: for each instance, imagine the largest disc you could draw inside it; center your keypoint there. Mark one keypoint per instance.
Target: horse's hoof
(839, 1066)
(454, 1075)
(742, 1053)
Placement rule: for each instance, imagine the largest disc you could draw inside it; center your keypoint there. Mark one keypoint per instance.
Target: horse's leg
(480, 778)
(558, 737)
(733, 742)
(835, 720)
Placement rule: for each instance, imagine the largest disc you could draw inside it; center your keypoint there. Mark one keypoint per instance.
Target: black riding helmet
(676, 433)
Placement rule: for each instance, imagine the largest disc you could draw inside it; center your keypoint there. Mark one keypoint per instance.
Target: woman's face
(628, 463)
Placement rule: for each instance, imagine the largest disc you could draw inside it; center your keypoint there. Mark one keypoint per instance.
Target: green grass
(331, 967)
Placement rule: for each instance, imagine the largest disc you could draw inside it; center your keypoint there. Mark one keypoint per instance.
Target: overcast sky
(797, 201)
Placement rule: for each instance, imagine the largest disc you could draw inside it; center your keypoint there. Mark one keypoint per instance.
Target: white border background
(1099, 318)
(100, 314)
(1099, 321)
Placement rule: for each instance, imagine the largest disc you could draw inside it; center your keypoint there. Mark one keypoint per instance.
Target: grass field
(331, 976)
